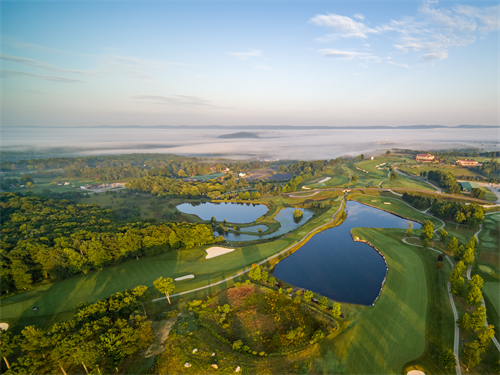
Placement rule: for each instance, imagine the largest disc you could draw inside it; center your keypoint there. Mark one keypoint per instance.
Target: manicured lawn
(406, 182)
(456, 170)
(392, 332)
(491, 290)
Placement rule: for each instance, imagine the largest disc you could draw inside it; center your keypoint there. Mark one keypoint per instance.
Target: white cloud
(247, 55)
(349, 55)
(344, 26)
(433, 30)
(397, 64)
(431, 57)
(43, 65)
(176, 100)
(6, 73)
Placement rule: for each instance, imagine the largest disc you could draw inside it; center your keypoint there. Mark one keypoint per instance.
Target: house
(241, 174)
(424, 158)
(467, 163)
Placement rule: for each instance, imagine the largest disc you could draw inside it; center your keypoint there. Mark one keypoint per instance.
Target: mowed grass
(456, 170)
(408, 183)
(392, 332)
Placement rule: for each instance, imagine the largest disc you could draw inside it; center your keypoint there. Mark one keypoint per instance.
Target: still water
(239, 213)
(287, 224)
(335, 266)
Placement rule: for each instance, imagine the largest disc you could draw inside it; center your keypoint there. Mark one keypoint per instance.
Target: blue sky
(244, 63)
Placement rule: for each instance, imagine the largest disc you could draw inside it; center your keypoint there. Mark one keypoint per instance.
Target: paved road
(304, 239)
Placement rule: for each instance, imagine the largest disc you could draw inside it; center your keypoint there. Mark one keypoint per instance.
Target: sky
(332, 63)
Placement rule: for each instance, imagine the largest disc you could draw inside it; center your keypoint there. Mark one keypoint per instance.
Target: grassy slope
(456, 170)
(393, 331)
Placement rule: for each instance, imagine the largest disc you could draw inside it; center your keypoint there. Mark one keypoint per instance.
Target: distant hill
(238, 135)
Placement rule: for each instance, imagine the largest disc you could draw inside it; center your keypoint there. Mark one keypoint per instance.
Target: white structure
(242, 174)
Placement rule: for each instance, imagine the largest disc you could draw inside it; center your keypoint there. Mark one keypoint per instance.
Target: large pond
(287, 224)
(335, 266)
(239, 213)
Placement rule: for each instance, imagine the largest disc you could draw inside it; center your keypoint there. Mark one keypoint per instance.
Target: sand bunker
(305, 187)
(387, 203)
(184, 277)
(373, 201)
(324, 180)
(4, 326)
(416, 372)
(216, 251)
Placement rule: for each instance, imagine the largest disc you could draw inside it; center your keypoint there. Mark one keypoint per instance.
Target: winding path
(304, 239)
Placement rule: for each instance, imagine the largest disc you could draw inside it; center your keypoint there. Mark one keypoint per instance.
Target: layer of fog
(275, 144)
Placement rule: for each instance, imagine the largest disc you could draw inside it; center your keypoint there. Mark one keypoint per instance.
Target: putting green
(485, 269)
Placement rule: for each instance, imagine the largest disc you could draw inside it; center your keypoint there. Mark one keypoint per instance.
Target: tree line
(97, 339)
(469, 214)
(445, 180)
(45, 239)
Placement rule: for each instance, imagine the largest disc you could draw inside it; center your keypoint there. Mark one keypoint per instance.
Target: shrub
(237, 345)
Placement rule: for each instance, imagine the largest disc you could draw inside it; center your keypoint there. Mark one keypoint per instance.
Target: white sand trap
(387, 203)
(216, 251)
(324, 180)
(373, 201)
(4, 326)
(305, 187)
(184, 277)
(416, 372)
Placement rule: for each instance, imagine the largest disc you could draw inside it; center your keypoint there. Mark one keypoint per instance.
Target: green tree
(255, 272)
(442, 234)
(464, 322)
(323, 303)
(8, 344)
(393, 176)
(457, 272)
(166, 286)
(485, 336)
(459, 218)
(308, 295)
(20, 275)
(453, 245)
(478, 318)
(409, 231)
(354, 179)
(297, 214)
(388, 152)
(458, 286)
(474, 193)
(471, 356)
(474, 296)
(336, 310)
(272, 280)
(447, 358)
(477, 281)
(264, 276)
(427, 233)
(468, 256)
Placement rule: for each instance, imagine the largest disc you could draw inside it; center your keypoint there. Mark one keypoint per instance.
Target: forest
(469, 214)
(97, 339)
(45, 239)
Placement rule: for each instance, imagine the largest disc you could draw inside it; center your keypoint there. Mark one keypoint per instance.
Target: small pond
(335, 266)
(240, 213)
(287, 224)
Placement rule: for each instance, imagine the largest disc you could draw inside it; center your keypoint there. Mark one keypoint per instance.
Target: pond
(335, 266)
(287, 224)
(239, 213)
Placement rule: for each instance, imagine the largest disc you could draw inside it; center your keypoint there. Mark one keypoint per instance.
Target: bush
(237, 345)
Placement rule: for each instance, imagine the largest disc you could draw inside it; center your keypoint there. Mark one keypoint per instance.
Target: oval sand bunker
(216, 251)
(4, 326)
(416, 372)
(184, 277)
